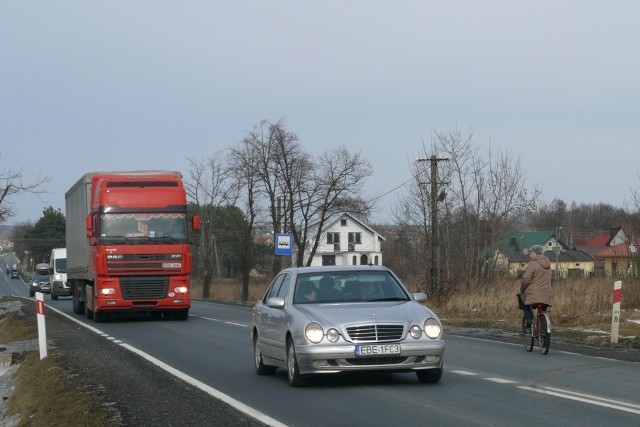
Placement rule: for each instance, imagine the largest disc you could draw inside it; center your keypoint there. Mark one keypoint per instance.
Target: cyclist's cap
(537, 249)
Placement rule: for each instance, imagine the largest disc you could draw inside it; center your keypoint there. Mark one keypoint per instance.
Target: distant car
(14, 274)
(39, 283)
(322, 320)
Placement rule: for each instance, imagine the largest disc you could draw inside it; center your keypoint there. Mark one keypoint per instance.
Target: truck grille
(144, 263)
(136, 288)
(375, 333)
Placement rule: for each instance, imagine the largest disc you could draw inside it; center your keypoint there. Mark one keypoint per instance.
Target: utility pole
(434, 271)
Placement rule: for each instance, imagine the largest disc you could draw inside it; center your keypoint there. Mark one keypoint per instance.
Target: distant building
(621, 260)
(346, 240)
(597, 244)
(510, 254)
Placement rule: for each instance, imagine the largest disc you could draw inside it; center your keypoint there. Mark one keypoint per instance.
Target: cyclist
(536, 282)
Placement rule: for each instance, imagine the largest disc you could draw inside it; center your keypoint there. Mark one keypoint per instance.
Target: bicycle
(539, 329)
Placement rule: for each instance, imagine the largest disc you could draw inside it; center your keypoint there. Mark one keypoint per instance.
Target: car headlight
(415, 331)
(432, 328)
(314, 332)
(333, 335)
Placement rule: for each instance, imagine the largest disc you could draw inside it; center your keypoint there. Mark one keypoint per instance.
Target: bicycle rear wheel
(527, 336)
(544, 339)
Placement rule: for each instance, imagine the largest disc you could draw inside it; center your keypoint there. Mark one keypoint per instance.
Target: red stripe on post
(617, 295)
(39, 306)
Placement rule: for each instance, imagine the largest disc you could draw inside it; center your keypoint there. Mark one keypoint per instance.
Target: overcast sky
(126, 85)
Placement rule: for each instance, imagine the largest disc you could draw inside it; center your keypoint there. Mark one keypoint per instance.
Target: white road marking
(566, 394)
(463, 373)
(254, 413)
(501, 381)
(586, 398)
(224, 321)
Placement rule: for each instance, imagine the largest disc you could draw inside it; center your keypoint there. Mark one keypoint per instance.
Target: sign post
(42, 330)
(615, 314)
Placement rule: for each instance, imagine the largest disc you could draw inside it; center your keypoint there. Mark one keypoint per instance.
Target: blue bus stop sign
(284, 244)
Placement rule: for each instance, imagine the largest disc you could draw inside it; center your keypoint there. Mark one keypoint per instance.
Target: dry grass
(14, 327)
(43, 394)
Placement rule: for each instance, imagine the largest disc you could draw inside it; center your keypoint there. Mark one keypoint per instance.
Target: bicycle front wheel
(545, 336)
(527, 336)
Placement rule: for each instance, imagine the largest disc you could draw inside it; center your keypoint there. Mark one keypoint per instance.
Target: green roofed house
(509, 254)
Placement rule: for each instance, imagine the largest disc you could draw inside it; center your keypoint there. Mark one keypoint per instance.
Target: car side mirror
(420, 297)
(275, 302)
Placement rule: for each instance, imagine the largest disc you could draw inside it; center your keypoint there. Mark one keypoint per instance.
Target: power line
(391, 191)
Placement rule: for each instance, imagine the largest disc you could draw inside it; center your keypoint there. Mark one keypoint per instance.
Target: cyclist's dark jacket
(536, 282)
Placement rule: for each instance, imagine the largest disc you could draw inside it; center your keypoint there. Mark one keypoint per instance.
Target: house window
(354, 260)
(343, 222)
(355, 238)
(333, 238)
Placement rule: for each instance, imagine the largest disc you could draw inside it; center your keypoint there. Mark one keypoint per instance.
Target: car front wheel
(293, 372)
(430, 376)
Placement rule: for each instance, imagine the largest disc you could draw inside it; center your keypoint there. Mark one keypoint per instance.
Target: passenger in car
(307, 290)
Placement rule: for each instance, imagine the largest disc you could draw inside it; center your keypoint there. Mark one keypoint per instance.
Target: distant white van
(58, 273)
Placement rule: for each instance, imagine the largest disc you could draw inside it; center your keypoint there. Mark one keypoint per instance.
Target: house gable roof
(334, 218)
(619, 251)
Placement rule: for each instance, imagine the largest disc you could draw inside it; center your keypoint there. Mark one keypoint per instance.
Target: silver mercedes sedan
(324, 320)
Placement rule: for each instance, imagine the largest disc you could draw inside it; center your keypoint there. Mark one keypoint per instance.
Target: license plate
(377, 349)
(171, 265)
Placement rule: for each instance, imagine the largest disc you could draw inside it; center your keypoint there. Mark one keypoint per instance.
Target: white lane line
(500, 381)
(587, 398)
(463, 373)
(175, 372)
(566, 394)
(224, 321)
(207, 389)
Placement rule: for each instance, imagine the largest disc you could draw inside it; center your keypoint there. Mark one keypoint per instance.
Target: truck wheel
(100, 316)
(181, 314)
(54, 296)
(88, 313)
(78, 306)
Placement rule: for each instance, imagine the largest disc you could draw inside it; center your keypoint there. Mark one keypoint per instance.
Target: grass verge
(44, 394)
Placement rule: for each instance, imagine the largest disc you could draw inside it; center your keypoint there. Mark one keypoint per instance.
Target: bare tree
(209, 186)
(477, 198)
(266, 143)
(314, 191)
(11, 183)
(245, 162)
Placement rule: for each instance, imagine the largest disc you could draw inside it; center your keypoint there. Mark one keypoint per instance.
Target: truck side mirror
(195, 222)
(88, 224)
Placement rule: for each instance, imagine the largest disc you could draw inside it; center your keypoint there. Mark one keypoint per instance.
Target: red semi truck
(127, 244)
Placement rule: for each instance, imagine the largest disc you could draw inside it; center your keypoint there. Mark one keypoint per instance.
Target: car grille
(135, 288)
(375, 333)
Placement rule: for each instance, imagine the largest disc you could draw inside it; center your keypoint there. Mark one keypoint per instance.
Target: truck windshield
(143, 228)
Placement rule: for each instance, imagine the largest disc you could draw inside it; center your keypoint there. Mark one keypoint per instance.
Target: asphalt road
(486, 382)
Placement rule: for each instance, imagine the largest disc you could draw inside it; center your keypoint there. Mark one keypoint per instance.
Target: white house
(346, 240)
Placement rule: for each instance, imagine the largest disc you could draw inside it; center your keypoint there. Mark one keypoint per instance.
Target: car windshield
(123, 228)
(351, 286)
(40, 277)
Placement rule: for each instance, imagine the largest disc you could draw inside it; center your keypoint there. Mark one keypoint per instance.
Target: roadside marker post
(42, 330)
(615, 314)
